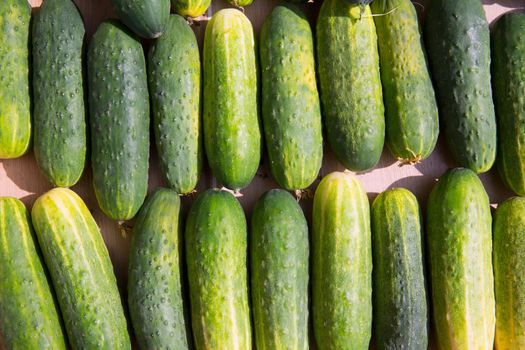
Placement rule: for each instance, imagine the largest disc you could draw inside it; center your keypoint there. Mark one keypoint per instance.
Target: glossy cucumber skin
(342, 264)
(459, 238)
(216, 253)
(174, 74)
(458, 43)
(508, 68)
(29, 316)
(119, 120)
(411, 112)
(350, 84)
(399, 294)
(232, 136)
(15, 101)
(290, 102)
(279, 251)
(146, 18)
(190, 8)
(154, 282)
(59, 118)
(81, 271)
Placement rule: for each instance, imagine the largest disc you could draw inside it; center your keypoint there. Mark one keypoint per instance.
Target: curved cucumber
(147, 18)
(190, 8)
(279, 272)
(291, 107)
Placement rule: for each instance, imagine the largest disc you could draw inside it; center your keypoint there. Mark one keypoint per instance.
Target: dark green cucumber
(154, 283)
(119, 119)
(81, 271)
(342, 264)
(29, 316)
(411, 112)
(458, 43)
(400, 302)
(147, 18)
(508, 80)
(279, 272)
(190, 8)
(174, 74)
(509, 274)
(232, 136)
(216, 253)
(350, 84)
(15, 109)
(290, 102)
(60, 141)
(459, 238)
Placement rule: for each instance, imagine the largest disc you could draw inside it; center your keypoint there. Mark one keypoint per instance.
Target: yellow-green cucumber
(190, 8)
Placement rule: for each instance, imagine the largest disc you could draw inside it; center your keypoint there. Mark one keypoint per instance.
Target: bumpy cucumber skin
(232, 136)
(119, 111)
(508, 72)
(290, 102)
(509, 274)
(15, 109)
(216, 252)
(154, 283)
(350, 84)
(459, 238)
(29, 316)
(411, 112)
(458, 43)
(81, 271)
(400, 302)
(342, 264)
(174, 74)
(60, 124)
(147, 18)
(190, 8)
(279, 272)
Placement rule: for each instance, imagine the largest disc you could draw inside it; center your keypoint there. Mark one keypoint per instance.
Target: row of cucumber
(366, 268)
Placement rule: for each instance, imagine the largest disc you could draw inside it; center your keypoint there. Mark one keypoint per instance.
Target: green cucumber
(509, 274)
(350, 83)
(190, 8)
(279, 272)
(60, 128)
(174, 74)
(29, 316)
(119, 119)
(290, 102)
(342, 264)
(81, 271)
(15, 105)
(458, 43)
(460, 255)
(232, 136)
(154, 283)
(411, 112)
(400, 302)
(240, 3)
(216, 253)
(147, 18)
(508, 79)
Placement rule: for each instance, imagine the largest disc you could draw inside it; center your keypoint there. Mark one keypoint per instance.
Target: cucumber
(60, 140)
(147, 18)
(279, 272)
(399, 295)
(342, 264)
(232, 137)
(290, 101)
(460, 255)
(154, 282)
(508, 68)
(81, 271)
(174, 74)
(29, 316)
(509, 273)
(350, 84)
(190, 8)
(15, 109)
(412, 120)
(458, 43)
(240, 3)
(216, 253)
(119, 111)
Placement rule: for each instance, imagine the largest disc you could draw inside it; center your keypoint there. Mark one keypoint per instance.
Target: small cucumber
(190, 8)
(146, 18)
